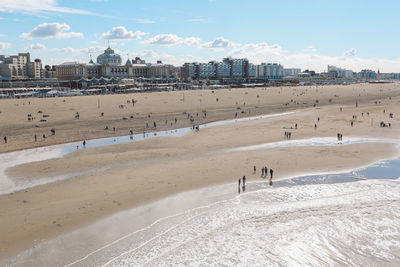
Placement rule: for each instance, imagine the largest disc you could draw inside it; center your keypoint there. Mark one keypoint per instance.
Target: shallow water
(329, 219)
(12, 159)
(10, 184)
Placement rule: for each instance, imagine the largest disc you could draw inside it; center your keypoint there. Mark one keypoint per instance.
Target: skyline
(357, 35)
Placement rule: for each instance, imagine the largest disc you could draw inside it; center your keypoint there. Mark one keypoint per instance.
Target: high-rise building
(367, 74)
(238, 66)
(20, 67)
(223, 69)
(272, 71)
(291, 72)
(251, 70)
(188, 71)
(339, 72)
(233, 68)
(206, 70)
(35, 69)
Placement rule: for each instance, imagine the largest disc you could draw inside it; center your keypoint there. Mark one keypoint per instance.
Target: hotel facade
(109, 65)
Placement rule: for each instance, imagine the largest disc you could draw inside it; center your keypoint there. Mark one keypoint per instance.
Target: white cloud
(153, 56)
(2, 35)
(37, 7)
(220, 43)
(310, 49)
(171, 40)
(120, 33)
(263, 52)
(51, 30)
(87, 50)
(145, 21)
(350, 52)
(196, 20)
(4, 46)
(37, 46)
(258, 52)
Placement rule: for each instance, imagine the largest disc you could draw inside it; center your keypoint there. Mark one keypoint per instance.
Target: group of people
(264, 174)
(382, 124)
(339, 137)
(288, 135)
(243, 180)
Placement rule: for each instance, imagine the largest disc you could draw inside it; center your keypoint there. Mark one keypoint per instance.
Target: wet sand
(141, 172)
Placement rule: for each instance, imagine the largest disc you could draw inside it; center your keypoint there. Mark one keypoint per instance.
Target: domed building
(109, 65)
(109, 57)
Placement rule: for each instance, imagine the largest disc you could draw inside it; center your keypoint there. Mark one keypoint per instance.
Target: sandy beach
(122, 176)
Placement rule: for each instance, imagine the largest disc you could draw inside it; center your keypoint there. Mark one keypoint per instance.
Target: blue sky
(296, 33)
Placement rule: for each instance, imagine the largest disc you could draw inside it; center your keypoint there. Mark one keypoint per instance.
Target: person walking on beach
(84, 143)
(254, 169)
(266, 171)
(35, 138)
(244, 183)
(271, 172)
(262, 172)
(5, 139)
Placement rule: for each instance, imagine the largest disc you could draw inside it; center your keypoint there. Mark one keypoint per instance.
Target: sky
(306, 34)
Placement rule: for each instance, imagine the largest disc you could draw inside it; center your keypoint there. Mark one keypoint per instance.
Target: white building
(270, 71)
(339, 72)
(20, 67)
(291, 72)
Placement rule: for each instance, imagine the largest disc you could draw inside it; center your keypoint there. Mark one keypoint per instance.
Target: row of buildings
(230, 68)
(109, 65)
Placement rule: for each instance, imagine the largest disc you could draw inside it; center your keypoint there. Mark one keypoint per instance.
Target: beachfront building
(291, 71)
(223, 70)
(72, 70)
(271, 71)
(251, 70)
(232, 69)
(20, 67)
(109, 57)
(109, 65)
(189, 71)
(336, 72)
(367, 74)
(159, 70)
(238, 66)
(206, 70)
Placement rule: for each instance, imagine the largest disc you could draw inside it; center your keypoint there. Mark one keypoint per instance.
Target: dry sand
(161, 106)
(144, 171)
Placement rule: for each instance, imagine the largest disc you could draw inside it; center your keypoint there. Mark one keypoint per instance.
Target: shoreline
(124, 214)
